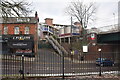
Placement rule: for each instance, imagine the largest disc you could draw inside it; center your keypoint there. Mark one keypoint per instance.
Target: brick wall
(106, 50)
(21, 28)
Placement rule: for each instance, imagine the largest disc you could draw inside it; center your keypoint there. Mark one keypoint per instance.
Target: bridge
(109, 34)
(110, 38)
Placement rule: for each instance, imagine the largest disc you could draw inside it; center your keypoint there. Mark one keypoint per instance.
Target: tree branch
(17, 8)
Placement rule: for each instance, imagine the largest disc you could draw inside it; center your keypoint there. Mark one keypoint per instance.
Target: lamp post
(114, 19)
(100, 61)
(114, 29)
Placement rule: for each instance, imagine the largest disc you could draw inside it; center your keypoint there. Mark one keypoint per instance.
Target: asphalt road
(48, 62)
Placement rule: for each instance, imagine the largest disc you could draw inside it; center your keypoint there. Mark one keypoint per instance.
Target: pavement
(78, 61)
(91, 77)
(96, 77)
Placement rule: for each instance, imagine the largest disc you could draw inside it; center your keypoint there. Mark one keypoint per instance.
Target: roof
(60, 25)
(48, 19)
(20, 20)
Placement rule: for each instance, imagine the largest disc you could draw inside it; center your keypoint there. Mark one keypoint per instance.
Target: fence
(48, 63)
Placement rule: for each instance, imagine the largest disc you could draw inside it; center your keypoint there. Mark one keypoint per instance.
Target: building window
(27, 29)
(16, 30)
(5, 30)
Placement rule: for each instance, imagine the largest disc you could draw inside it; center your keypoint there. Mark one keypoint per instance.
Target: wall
(22, 27)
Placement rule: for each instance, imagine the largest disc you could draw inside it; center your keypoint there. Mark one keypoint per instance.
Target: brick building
(21, 26)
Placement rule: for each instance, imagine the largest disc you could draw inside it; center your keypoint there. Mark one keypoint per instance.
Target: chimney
(49, 21)
(77, 24)
(36, 16)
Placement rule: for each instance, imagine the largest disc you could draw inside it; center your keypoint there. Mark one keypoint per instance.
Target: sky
(106, 14)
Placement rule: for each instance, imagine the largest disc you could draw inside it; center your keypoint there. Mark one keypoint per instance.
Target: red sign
(92, 36)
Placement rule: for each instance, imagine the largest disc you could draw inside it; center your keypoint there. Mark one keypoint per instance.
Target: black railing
(47, 63)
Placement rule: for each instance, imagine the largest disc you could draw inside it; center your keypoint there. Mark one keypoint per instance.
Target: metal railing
(54, 45)
(57, 43)
(49, 64)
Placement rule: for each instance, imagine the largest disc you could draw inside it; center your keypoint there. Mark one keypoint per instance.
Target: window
(5, 29)
(16, 30)
(27, 30)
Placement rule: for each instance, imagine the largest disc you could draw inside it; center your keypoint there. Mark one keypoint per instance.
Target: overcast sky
(56, 9)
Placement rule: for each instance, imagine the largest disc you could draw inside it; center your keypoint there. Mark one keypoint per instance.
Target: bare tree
(14, 8)
(81, 11)
(84, 13)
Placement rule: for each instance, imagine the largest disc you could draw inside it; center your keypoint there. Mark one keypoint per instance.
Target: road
(48, 62)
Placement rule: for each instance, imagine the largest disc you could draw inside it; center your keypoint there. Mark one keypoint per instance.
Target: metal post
(23, 67)
(100, 61)
(71, 31)
(71, 40)
(63, 65)
(114, 29)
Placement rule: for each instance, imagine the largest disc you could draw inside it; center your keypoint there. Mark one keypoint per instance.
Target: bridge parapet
(108, 29)
(105, 29)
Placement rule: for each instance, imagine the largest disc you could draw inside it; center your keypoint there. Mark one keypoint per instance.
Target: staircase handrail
(58, 44)
(54, 46)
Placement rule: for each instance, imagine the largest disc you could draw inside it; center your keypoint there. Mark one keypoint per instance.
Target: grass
(12, 79)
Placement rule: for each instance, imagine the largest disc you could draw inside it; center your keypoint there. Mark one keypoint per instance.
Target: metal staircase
(56, 45)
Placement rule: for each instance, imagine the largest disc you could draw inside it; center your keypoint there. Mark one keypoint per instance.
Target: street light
(114, 20)
(100, 61)
(99, 50)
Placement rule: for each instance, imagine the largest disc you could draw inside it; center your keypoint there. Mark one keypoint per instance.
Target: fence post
(23, 67)
(63, 64)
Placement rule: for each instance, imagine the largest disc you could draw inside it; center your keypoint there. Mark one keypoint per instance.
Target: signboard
(21, 44)
(92, 36)
(85, 48)
(26, 51)
(17, 38)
